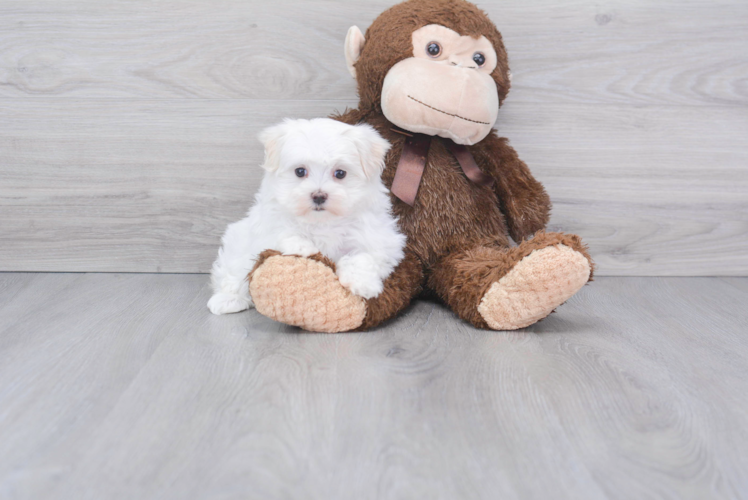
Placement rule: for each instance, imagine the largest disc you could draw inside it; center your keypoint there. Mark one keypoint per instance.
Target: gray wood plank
(663, 52)
(124, 386)
(128, 186)
(128, 127)
(149, 185)
(70, 345)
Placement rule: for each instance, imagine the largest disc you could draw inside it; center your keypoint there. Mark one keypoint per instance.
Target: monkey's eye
(479, 59)
(340, 174)
(300, 172)
(433, 49)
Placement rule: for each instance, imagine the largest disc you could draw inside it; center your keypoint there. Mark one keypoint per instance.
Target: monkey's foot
(534, 287)
(304, 292)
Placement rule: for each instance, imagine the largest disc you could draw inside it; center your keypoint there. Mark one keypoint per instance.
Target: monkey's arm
(349, 116)
(522, 199)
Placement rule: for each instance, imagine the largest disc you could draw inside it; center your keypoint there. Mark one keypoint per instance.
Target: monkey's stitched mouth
(448, 114)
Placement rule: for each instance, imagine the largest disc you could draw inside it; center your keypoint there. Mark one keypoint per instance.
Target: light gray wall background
(127, 128)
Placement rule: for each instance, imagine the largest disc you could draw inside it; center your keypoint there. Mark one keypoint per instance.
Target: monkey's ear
(272, 138)
(371, 147)
(354, 43)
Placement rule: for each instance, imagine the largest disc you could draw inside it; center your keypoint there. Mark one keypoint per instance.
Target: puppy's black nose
(319, 198)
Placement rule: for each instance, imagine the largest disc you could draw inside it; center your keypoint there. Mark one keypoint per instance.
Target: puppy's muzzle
(319, 198)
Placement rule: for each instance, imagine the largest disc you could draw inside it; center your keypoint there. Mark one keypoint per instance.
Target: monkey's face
(446, 88)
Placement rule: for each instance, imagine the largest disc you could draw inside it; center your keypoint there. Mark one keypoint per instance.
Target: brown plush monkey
(431, 76)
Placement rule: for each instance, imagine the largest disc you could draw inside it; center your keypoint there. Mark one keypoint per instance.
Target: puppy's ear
(372, 148)
(272, 138)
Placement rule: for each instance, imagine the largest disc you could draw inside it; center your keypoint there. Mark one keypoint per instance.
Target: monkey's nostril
(319, 198)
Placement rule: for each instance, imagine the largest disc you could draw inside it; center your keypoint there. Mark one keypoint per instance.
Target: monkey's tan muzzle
(437, 98)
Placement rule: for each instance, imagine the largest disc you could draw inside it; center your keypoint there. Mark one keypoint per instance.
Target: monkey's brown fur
(388, 41)
(458, 232)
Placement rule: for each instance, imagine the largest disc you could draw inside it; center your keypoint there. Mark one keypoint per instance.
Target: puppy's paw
(296, 245)
(359, 275)
(224, 303)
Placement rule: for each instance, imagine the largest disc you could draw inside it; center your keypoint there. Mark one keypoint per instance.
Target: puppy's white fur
(354, 226)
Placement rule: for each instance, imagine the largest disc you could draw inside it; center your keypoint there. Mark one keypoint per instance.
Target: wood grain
(149, 185)
(614, 52)
(124, 386)
(128, 127)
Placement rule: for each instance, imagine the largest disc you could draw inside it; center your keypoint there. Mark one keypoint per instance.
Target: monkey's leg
(511, 288)
(305, 292)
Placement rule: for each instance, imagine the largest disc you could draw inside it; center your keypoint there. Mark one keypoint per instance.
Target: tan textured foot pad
(305, 293)
(534, 287)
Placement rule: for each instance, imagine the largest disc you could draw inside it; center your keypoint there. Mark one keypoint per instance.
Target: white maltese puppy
(322, 192)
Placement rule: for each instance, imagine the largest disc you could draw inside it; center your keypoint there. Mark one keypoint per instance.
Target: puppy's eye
(300, 172)
(433, 49)
(479, 59)
(340, 174)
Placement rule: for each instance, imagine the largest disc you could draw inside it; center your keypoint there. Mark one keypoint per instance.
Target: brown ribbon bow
(413, 162)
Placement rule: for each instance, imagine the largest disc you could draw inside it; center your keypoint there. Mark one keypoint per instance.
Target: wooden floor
(124, 386)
